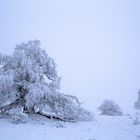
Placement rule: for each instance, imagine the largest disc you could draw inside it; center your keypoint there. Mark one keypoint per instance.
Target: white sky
(95, 43)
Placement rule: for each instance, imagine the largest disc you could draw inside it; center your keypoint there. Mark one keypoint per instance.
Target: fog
(95, 44)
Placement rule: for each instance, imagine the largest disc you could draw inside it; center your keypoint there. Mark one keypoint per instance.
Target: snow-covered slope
(102, 128)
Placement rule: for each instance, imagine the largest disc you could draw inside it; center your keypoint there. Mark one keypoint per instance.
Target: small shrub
(136, 121)
(17, 116)
(110, 108)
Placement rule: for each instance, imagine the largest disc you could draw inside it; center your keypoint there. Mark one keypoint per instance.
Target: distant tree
(110, 108)
(29, 83)
(137, 103)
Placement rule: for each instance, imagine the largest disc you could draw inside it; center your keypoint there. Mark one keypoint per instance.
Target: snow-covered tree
(137, 103)
(29, 83)
(137, 107)
(110, 108)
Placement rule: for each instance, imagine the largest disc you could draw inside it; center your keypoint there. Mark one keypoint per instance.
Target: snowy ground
(102, 128)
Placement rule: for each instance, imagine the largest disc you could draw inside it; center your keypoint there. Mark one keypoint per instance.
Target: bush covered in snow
(110, 108)
(136, 121)
(29, 83)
